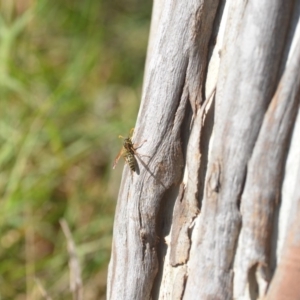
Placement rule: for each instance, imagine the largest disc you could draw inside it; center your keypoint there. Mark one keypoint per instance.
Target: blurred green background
(70, 82)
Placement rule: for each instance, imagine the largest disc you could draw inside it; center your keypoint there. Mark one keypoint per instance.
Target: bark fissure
(164, 223)
(187, 204)
(253, 284)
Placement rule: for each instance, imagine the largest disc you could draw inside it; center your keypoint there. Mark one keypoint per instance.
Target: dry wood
(264, 176)
(173, 84)
(199, 218)
(246, 93)
(285, 284)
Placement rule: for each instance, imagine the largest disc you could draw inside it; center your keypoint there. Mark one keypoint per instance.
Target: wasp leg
(140, 145)
(140, 154)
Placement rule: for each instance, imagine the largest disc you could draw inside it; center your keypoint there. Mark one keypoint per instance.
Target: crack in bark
(187, 205)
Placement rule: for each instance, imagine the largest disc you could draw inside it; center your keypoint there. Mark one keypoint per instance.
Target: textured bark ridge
(173, 87)
(201, 218)
(266, 169)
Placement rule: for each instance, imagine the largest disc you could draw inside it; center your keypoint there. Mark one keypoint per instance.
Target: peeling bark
(285, 284)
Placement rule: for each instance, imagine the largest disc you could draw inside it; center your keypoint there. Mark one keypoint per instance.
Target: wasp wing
(118, 157)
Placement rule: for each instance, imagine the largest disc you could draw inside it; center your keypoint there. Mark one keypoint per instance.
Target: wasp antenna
(121, 137)
(131, 132)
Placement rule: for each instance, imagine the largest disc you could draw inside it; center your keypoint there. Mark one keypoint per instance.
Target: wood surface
(199, 219)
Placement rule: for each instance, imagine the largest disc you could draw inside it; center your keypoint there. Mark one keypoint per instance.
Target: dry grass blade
(44, 293)
(75, 272)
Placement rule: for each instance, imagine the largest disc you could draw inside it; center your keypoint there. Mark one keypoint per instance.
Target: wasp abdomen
(129, 157)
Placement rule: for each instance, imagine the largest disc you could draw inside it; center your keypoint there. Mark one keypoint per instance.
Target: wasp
(128, 151)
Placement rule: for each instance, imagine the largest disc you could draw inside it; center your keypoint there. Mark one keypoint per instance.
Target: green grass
(70, 82)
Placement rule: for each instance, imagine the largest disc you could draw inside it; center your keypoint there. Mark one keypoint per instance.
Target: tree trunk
(210, 212)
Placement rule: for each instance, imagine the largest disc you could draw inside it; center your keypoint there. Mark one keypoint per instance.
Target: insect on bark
(128, 151)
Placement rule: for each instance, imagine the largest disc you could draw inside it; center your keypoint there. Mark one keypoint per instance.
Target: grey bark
(201, 216)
